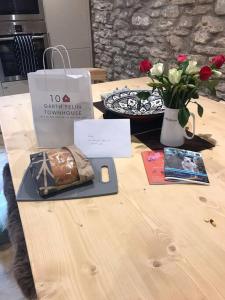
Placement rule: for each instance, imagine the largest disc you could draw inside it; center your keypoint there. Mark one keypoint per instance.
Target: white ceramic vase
(172, 134)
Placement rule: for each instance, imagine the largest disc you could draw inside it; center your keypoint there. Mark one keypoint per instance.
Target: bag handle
(58, 51)
(67, 54)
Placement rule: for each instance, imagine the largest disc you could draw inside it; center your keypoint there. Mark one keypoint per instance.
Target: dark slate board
(28, 191)
(149, 132)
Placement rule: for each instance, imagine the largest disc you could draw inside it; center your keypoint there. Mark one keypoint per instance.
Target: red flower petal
(145, 66)
(218, 61)
(205, 73)
(182, 58)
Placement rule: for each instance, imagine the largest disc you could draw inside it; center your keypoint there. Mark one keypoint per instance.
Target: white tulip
(174, 75)
(217, 73)
(157, 69)
(192, 67)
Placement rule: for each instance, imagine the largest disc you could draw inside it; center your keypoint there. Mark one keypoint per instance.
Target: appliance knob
(18, 28)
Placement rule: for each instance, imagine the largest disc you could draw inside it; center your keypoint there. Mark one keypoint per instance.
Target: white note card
(103, 138)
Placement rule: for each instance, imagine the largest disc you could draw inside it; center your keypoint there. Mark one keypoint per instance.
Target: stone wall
(126, 31)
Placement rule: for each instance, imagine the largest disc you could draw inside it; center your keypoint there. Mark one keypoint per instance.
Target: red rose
(181, 58)
(205, 73)
(145, 66)
(218, 61)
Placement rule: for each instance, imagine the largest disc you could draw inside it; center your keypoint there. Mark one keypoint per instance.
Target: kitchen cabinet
(14, 87)
(1, 90)
(68, 23)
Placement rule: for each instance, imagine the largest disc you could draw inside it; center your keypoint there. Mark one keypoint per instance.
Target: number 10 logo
(58, 98)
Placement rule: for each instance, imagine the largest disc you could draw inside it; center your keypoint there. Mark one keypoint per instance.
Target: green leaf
(174, 91)
(165, 80)
(185, 65)
(143, 95)
(192, 93)
(156, 84)
(191, 86)
(200, 110)
(183, 116)
(195, 95)
(211, 85)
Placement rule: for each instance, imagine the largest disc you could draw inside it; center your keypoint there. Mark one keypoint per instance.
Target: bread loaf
(58, 169)
(63, 166)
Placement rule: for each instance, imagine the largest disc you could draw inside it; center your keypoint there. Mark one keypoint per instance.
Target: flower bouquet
(180, 85)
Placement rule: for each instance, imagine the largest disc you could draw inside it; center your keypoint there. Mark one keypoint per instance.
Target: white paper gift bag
(59, 96)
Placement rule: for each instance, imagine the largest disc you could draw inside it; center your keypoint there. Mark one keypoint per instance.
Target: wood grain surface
(146, 243)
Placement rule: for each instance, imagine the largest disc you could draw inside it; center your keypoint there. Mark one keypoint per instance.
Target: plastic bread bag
(57, 169)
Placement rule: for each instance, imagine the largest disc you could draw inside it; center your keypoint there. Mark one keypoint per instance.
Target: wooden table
(147, 242)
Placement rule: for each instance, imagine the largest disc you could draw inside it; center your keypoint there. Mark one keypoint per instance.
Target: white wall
(68, 23)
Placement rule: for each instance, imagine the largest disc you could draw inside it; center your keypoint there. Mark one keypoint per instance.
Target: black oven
(9, 68)
(15, 10)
